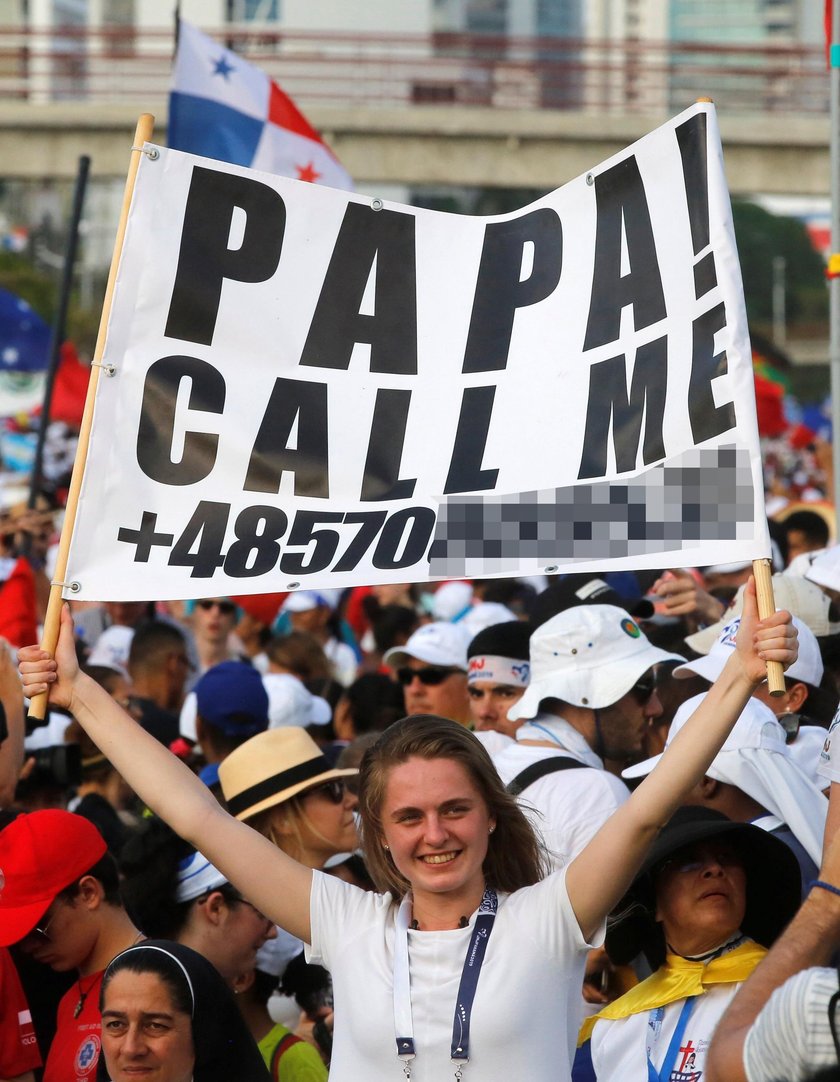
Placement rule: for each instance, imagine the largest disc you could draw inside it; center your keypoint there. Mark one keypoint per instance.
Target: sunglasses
(643, 688)
(332, 790)
(429, 677)
(226, 608)
(790, 722)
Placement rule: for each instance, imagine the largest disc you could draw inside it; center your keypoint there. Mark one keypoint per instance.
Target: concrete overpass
(770, 153)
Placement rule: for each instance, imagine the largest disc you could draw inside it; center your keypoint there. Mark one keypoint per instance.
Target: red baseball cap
(41, 853)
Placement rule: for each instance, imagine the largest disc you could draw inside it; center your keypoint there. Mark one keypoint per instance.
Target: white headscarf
(757, 761)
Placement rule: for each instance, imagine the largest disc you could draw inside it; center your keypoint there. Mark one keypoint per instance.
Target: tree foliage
(761, 237)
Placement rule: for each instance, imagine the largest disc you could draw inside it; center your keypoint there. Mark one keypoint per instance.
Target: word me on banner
(313, 388)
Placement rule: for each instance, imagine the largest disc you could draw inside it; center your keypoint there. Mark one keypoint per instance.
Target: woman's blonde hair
(515, 856)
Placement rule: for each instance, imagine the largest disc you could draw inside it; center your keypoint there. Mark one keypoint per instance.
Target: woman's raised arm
(275, 883)
(602, 872)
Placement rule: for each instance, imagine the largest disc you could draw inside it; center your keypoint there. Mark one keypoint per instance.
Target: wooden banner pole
(142, 134)
(766, 607)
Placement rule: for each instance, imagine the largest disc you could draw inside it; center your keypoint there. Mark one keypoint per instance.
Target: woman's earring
(385, 845)
(490, 831)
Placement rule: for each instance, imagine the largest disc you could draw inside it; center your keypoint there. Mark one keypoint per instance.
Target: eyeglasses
(644, 688)
(332, 790)
(429, 677)
(43, 932)
(259, 913)
(694, 861)
(226, 608)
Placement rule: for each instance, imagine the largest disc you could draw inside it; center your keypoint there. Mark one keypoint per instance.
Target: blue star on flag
(221, 67)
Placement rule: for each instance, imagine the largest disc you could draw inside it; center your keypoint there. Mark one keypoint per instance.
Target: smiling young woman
(417, 994)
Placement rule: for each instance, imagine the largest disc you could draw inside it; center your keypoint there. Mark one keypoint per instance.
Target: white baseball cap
(112, 648)
(808, 666)
(452, 601)
(825, 570)
(792, 592)
(290, 703)
(306, 600)
(439, 643)
(589, 655)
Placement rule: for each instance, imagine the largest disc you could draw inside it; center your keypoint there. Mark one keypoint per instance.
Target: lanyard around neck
(664, 1073)
(403, 1023)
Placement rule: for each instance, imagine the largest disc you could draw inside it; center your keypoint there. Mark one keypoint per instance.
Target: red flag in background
(769, 404)
(70, 389)
(828, 22)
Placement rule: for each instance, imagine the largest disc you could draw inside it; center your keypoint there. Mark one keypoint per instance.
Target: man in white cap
(754, 779)
(432, 668)
(802, 698)
(314, 613)
(591, 695)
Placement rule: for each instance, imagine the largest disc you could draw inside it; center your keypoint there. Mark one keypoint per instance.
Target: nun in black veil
(167, 1011)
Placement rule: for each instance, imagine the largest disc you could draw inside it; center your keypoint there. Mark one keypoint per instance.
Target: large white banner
(314, 389)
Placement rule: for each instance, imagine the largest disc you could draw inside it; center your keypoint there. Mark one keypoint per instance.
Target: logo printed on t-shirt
(87, 1055)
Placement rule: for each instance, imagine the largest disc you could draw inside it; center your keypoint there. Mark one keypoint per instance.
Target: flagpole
(834, 260)
(142, 134)
(59, 323)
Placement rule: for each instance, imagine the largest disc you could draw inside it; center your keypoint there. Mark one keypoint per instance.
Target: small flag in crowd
(222, 107)
(24, 355)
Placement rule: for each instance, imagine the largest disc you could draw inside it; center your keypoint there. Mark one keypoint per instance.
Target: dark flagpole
(59, 324)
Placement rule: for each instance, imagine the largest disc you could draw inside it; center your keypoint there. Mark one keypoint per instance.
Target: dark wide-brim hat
(774, 884)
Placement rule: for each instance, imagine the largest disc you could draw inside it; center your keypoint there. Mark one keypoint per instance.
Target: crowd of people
(502, 829)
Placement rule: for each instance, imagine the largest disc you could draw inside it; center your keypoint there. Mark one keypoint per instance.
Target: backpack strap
(283, 1045)
(540, 769)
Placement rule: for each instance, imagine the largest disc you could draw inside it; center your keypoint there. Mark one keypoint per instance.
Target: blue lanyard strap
(664, 1072)
(403, 1025)
(460, 1049)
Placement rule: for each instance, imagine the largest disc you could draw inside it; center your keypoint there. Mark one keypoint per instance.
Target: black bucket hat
(774, 885)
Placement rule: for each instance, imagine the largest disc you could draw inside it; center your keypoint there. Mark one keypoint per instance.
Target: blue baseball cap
(231, 697)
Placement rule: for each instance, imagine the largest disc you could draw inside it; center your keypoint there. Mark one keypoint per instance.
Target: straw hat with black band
(772, 874)
(271, 768)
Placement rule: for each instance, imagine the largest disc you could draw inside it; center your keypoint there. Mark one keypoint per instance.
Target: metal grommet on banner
(152, 153)
(292, 585)
(590, 180)
(108, 369)
(551, 569)
(73, 587)
(376, 204)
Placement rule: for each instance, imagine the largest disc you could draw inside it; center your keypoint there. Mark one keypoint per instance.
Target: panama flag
(222, 107)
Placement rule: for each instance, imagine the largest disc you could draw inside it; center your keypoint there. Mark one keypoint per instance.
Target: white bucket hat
(808, 666)
(755, 759)
(589, 655)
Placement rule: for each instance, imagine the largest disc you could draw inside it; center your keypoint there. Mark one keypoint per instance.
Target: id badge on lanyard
(664, 1073)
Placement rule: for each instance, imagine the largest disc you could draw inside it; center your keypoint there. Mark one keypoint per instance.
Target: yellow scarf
(678, 979)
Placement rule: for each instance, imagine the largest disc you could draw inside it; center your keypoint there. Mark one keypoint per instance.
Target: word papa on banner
(316, 389)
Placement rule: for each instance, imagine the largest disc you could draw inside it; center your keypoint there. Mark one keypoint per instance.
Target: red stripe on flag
(828, 22)
(283, 112)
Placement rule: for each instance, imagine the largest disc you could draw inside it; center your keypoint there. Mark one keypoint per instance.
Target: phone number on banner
(311, 542)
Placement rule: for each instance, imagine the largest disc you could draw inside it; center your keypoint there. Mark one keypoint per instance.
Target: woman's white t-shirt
(527, 1007)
